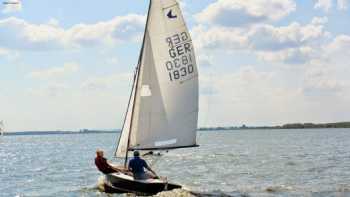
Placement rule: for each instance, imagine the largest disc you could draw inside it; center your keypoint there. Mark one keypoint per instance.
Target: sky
(67, 65)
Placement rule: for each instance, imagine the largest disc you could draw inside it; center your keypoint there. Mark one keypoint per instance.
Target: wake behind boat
(162, 112)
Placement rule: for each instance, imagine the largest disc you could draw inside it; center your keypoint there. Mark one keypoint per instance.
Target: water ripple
(260, 163)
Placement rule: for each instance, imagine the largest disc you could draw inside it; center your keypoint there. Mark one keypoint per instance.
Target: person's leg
(140, 176)
(150, 175)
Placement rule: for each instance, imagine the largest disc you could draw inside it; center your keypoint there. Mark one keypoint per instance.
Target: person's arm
(116, 168)
(150, 169)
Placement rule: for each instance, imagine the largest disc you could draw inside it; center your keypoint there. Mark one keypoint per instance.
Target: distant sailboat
(162, 113)
(2, 128)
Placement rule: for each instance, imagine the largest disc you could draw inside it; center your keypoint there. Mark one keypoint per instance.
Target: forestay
(163, 108)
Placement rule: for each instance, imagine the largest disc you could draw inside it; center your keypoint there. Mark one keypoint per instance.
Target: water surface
(313, 162)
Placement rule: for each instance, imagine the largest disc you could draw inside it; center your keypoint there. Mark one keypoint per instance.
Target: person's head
(136, 153)
(99, 153)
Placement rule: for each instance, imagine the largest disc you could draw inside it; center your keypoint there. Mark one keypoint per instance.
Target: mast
(137, 75)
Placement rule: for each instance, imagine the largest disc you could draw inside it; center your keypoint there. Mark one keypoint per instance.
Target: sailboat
(2, 130)
(162, 112)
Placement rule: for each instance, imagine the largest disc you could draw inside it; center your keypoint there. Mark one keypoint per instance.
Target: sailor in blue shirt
(137, 165)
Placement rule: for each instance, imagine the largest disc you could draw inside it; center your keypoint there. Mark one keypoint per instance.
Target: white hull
(121, 183)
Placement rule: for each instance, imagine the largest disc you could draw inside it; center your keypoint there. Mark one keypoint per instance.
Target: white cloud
(326, 75)
(319, 20)
(112, 60)
(291, 44)
(239, 13)
(55, 72)
(53, 22)
(21, 35)
(268, 37)
(84, 100)
(336, 52)
(51, 90)
(340, 44)
(4, 52)
(247, 96)
(12, 6)
(250, 96)
(204, 60)
(64, 106)
(326, 5)
(299, 55)
(18, 34)
(342, 4)
(320, 82)
(120, 29)
(9, 54)
(243, 84)
(107, 82)
(219, 38)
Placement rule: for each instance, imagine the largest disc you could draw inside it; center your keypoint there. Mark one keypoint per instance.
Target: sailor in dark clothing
(102, 164)
(137, 165)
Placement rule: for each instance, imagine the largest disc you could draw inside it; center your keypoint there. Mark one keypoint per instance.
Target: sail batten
(163, 148)
(164, 111)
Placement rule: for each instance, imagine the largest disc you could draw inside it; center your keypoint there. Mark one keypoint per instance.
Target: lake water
(314, 162)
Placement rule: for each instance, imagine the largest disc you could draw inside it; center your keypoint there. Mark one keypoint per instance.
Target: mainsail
(163, 107)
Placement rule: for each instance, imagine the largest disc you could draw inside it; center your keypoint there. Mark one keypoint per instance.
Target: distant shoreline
(243, 127)
(285, 126)
(59, 132)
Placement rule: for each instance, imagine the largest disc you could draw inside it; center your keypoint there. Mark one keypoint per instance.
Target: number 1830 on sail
(180, 64)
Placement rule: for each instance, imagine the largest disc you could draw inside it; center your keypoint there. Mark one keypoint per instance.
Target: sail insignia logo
(171, 15)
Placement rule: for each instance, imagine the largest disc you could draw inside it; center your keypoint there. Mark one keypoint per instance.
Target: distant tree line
(285, 126)
(312, 125)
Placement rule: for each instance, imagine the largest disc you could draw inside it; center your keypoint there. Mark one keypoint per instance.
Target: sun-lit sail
(122, 148)
(2, 129)
(163, 107)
